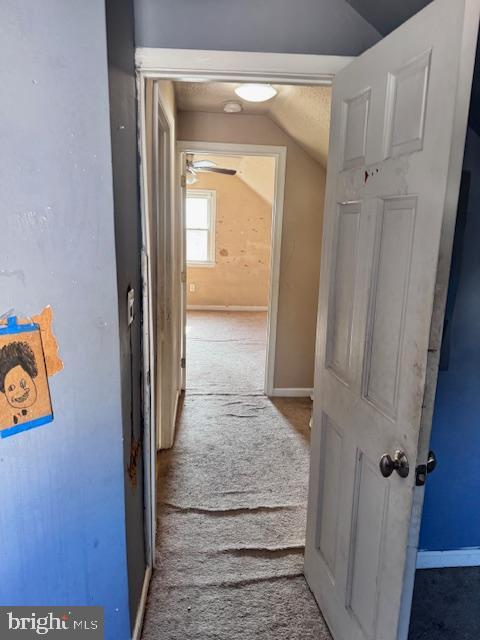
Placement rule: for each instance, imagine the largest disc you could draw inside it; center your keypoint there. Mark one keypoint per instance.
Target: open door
(399, 117)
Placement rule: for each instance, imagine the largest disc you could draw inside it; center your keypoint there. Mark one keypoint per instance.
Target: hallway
(232, 499)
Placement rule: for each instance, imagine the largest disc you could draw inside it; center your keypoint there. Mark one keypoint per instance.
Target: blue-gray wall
(123, 121)
(62, 514)
(290, 26)
(451, 517)
(387, 15)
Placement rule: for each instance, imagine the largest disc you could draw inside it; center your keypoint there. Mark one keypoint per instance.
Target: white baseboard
(137, 629)
(175, 412)
(292, 392)
(468, 557)
(167, 442)
(223, 307)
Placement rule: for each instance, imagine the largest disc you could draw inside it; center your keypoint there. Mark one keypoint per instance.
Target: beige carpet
(232, 508)
(226, 351)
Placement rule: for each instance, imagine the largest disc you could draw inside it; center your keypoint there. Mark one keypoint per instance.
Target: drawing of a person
(18, 368)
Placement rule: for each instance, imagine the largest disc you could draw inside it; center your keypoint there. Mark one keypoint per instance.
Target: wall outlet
(191, 288)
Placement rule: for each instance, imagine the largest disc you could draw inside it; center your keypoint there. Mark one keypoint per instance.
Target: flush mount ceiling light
(232, 107)
(256, 92)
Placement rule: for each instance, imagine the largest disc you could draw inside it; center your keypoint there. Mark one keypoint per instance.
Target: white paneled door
(399, 117)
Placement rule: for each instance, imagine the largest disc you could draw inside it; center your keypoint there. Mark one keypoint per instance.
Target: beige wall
(301, 237)
(242, 247)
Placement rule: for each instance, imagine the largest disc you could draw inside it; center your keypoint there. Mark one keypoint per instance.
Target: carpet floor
(226, 351)
(232, 509)
(446, 604)
(232, 500)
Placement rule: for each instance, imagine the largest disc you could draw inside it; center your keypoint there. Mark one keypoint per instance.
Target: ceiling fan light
(256, 92)
(191, 178)
(232, 107)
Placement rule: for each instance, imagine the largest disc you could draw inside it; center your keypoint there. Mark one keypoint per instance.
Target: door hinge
(183, 181)
(423, 470)
(183, 276)
(183, 363)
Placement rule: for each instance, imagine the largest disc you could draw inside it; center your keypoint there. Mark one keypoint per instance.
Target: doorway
(228, 216)
(354, 111)
(233, 218)
(222, 467)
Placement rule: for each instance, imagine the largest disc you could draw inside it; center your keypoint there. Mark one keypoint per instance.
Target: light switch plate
(130, 303)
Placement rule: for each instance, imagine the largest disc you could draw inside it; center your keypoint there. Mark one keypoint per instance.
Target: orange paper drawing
(24, 392)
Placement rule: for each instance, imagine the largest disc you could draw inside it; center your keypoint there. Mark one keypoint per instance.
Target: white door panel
(398, 111)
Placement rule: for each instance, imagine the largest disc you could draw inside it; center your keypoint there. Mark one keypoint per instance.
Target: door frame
(279, 153)
(155, 421)
(149, 433)
(230, 66)
(163, 132)
(197, 65)
(237, 66)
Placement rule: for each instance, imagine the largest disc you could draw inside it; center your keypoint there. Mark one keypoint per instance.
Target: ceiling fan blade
(201, 164)
(227, 172)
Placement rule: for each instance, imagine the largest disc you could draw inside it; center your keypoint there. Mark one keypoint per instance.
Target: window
(200, 222)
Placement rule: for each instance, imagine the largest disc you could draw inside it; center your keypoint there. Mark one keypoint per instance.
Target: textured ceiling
(258, 172)
(303, 112)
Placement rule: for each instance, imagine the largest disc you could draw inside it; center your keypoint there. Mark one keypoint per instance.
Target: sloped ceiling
(258, 172)
(284, 26)
(387, 15)
(302, 112)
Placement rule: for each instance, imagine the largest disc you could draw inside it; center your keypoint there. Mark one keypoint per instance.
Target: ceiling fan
(195, 166)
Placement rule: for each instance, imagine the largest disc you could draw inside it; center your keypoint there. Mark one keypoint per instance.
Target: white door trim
(188, 64)
(292, 392)
(178, 64)
(223, 307)
(137, 629)
(153, 427)
(161, 181)
(280, 156)
(149, 395)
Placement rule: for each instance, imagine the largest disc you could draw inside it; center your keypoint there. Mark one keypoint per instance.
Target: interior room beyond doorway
(296, 123)
(228, 220)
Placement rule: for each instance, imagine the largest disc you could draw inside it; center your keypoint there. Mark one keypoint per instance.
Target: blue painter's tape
(13, 327)
(18, 428)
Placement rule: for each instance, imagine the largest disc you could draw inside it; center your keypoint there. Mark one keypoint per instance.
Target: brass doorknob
(398, 463)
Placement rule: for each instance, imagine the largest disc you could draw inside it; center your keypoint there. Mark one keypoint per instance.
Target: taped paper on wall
(49, 342)
(24, 392)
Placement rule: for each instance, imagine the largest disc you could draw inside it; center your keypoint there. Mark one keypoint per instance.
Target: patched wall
(240, 275)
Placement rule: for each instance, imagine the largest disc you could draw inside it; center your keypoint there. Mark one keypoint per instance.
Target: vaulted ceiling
(302, 112)
(258, 172)
(294, 109)
(387, 15)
